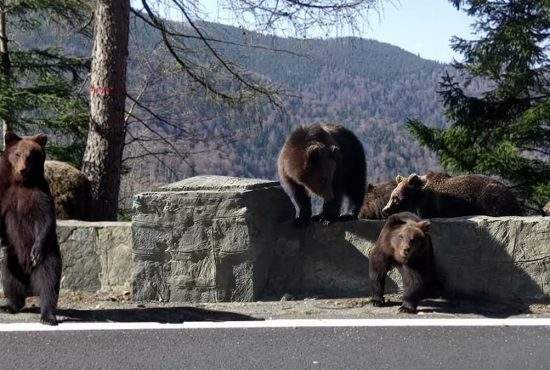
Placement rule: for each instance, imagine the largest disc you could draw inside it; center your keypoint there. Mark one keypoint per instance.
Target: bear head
(25, 156)
(320, 163)
(408, 236)
(407, 194)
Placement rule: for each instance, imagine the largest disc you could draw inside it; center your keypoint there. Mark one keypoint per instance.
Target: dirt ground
(105, 307)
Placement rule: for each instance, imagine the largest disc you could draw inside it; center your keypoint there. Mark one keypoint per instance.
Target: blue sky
(422, 27)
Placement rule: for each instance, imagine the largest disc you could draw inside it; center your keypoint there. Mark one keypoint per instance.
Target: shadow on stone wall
(329, 262)
(490, 258)
(504, 259)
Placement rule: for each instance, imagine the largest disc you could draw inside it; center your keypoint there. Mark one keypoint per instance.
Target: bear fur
(376, 198)
(327, 160)
(440, 195)
(546, 209)
(404, 243)
(28, 227)
(71, 191)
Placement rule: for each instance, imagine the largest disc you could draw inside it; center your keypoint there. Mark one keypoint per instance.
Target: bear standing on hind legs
(327, 160)
(28, 227)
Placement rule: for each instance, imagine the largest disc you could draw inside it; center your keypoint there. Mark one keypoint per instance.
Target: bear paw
(324, 221)
(377, 302)
(405, 309)
(50, 320)
(36, 256)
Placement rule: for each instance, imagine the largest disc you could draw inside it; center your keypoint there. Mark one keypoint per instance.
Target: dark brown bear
(33, 260)
(405, 243)
(71, 191)
(440, 195)
(375, 200)
(327, 160)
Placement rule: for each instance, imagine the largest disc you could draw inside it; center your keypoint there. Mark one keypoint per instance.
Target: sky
(423, 27)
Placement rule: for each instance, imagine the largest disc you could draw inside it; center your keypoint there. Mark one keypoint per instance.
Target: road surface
(358, 344)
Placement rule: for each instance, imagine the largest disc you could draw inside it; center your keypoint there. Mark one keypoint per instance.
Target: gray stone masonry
(217, 239)
(212, 239)
(97, 256)
(206, 239)
(505, 258)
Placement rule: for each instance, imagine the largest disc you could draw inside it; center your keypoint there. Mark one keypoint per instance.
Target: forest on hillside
(368, 86)
(174, 132)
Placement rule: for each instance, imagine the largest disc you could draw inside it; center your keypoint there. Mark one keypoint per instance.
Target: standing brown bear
(327, 160)
(33, 259)
(440, 195)
(405, 243)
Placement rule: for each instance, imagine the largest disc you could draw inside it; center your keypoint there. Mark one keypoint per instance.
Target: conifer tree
(40, 86)
(505, 131)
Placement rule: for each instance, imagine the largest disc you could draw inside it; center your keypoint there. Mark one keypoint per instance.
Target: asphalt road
(282, 348)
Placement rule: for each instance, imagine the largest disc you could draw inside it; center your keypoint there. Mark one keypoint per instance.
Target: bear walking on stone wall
(33, 259)
(405, 243)
(327, 160)
(376, 198)
(440, 195)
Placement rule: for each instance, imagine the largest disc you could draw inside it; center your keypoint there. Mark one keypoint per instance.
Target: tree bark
(5, 64)
(103, 155)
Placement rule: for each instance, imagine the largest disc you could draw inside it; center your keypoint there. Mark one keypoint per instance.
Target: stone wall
(211, 238)
(97, 256)
(206, 239)
(506, 258)
(215, 238)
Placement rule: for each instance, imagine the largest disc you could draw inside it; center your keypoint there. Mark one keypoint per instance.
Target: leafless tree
(215, 76)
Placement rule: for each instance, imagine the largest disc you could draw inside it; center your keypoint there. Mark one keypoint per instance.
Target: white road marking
(88, 326)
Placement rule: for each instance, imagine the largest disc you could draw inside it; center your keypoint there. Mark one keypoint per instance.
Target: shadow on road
(484, 308)
(157, 314)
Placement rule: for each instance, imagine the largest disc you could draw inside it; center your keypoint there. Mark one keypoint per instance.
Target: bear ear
(395, 220)
(425, 226)
(40, 139)
(10, 138)
(399, 178)
(370, 187)
(417, 181)
(312, 152)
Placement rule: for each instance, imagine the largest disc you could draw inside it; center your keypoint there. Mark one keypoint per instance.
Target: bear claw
(49, 320)
(35, 257)
(404, 309)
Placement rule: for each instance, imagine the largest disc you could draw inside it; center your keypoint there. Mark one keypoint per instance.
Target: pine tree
(505, 131)
(39, 87)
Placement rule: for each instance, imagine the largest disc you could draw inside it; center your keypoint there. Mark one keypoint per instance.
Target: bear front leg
(43, 230)
(378, 270)
(302, 201)
(413, 286)
(331, 208)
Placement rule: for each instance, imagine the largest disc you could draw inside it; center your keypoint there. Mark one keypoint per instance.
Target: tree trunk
(103, 155)
(5, 65)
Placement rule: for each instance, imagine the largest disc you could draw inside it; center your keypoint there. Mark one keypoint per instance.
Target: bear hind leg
(15, 290)
(45, 280)
(356, 194)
